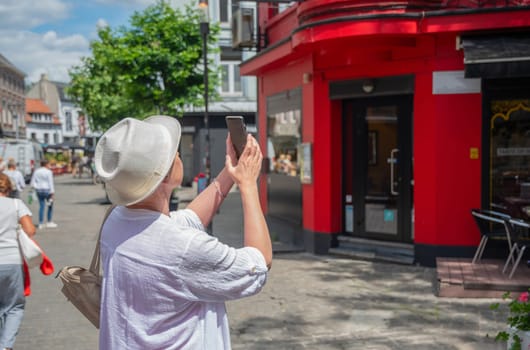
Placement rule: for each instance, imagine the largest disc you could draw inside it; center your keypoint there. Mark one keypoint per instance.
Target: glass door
(381, 173)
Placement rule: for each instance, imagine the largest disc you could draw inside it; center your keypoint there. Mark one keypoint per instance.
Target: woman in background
(12, 301)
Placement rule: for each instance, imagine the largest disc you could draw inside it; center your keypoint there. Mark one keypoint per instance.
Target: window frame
(231, 79)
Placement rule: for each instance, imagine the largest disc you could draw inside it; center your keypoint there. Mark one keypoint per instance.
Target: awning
(497, 56)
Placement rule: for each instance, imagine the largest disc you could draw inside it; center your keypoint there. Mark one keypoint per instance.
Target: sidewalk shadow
(101, 201)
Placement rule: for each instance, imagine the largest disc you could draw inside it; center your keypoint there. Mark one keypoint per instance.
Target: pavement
(309, 302)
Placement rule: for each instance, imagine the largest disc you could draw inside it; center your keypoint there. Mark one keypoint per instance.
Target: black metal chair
(518, 231)
(492, 225)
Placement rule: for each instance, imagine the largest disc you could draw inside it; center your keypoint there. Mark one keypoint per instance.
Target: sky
(50, 36)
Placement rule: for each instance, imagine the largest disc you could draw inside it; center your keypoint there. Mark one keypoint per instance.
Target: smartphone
(238, 133)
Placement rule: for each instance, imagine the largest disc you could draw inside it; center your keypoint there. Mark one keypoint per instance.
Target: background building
(401, 117)
(237, 96)
(43, 125)
(75, 128)
(12, 101)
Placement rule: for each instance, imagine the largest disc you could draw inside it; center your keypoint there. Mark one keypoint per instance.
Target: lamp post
(205, 30)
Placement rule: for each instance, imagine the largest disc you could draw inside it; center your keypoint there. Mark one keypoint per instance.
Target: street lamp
(204, 19)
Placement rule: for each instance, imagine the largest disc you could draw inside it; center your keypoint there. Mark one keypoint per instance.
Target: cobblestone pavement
(309, 302)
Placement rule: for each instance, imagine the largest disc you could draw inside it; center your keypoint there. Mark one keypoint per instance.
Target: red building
(387, 122)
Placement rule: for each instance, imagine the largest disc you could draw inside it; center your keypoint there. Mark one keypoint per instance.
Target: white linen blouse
(166, 281)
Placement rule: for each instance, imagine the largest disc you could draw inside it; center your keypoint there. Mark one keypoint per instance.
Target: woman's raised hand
(247, 169)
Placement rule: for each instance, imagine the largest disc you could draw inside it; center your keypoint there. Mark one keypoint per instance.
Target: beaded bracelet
(218, 188)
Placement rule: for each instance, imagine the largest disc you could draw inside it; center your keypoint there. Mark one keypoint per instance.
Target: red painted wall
(445, 127)
(276, 81)
(322, 126)
(446, 179)
(458, 124)
(322, 198)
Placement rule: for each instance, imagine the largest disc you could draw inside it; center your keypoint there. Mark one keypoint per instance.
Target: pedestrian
(165, 279)
(12, 299)
(16, 177)
(42, 183)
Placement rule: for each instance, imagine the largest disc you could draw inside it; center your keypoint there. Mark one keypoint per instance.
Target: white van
(27, 154)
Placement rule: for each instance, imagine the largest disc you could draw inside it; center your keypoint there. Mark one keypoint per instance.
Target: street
(309, 302)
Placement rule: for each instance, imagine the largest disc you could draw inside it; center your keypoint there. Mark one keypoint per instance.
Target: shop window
(510, 157)
(284, 137)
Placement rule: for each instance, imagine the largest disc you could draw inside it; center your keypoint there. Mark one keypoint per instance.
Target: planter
(524, 335)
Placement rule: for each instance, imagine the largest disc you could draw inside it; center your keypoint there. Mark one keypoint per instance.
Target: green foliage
(153, 66)
(518, 318)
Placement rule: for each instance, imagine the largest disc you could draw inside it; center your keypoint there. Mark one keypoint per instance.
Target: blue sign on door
(388, 215)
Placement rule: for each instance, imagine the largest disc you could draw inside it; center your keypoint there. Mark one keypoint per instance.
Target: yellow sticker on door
(473, 153)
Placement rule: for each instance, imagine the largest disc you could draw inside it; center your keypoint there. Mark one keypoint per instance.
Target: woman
(42, 183)
(12, 300)
(165, 279)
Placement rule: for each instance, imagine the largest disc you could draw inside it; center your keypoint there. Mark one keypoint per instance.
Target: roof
(34, 105)
(4, 62)
(61, 87)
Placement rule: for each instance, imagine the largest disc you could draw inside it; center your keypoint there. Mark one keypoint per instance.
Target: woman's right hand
(247, 169)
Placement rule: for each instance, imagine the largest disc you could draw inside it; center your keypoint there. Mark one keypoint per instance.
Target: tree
(153, 66)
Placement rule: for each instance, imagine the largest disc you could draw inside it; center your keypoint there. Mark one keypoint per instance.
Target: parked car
(27, 155)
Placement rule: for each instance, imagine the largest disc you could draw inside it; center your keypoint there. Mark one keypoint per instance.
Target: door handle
(392, 161)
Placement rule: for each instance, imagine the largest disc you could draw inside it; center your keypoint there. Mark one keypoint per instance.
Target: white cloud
(47, 53)
(101, 23)
(52, 53)
(73, 42)
(26, 14)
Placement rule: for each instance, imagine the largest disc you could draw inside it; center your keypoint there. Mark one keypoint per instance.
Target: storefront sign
(513, 151)
(454, 82)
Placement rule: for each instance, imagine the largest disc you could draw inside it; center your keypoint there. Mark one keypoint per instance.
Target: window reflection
(510, 157)
(284, 130)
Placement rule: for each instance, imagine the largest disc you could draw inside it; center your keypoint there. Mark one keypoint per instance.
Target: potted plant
(518, 333)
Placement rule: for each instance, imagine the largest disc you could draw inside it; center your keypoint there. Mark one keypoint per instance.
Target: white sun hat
(134, 156)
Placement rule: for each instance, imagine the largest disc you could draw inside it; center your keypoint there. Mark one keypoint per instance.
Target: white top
(9, 219)
(166, 280)
(17, 176)
(42, 180)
